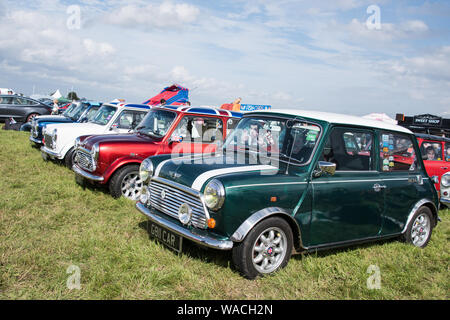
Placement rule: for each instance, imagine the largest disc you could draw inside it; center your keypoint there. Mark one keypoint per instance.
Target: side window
(197, 128)
(447, 151)
(129, 119)
(6, 100)
(431, 150)
(349, 149)
(22, 101)
(397, 153)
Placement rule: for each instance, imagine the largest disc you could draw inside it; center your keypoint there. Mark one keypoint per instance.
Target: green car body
(322, 210)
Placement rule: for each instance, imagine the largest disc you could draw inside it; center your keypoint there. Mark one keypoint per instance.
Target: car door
(196, 134)
(433, 159)
(6, 104)
(401, 179)
(347, 205)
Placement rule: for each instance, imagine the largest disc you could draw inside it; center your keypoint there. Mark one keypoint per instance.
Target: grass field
(49, 223)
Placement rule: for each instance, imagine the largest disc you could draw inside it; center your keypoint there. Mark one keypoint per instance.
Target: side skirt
(351, 243)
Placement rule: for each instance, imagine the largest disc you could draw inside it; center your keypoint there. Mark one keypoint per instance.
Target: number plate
(44, 155)
(166, 237)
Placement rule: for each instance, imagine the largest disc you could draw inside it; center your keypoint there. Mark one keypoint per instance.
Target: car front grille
(84, 160)
(49, 141)
(167, 198)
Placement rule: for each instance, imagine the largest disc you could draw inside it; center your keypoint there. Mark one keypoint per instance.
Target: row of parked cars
(263, 184)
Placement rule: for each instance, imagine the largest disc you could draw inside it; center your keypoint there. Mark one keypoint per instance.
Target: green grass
(48, 223)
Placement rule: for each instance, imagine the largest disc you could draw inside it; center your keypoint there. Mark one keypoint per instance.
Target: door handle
(377, 187)
(445, 168)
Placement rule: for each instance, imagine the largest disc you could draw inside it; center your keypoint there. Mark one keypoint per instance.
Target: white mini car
(111, 118)
(445, 189)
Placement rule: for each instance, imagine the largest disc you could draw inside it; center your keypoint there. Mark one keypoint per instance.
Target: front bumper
(51, 154)
(185, 233)
(445, 202)
(38, 141)
(87, 175)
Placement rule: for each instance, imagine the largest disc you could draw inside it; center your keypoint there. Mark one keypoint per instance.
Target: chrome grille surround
(34, 128)
(49, 143)
(175, 196)
(84, 159)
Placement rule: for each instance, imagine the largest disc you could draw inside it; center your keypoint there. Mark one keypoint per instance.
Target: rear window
(397, 153)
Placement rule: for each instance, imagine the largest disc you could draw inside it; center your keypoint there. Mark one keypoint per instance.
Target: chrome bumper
(445, 201)
(185, 233)
(35, 140)
(86, 175)
(52, 154)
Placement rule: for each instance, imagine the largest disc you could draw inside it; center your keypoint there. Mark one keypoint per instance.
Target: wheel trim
(420, 230)
(269, 250)
(131, 186)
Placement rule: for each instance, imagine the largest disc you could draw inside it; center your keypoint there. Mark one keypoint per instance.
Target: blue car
(80, 111)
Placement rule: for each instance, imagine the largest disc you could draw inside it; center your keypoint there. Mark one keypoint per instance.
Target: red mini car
(436, 155)
(115, 159)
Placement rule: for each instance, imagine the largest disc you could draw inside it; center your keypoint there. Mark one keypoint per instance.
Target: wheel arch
(241, 233)
(119, 164)
(422, 203)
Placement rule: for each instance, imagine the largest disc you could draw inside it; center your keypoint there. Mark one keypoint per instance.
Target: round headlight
(95, 151)
(146, 170)
(445, 180)
(214, 195)
(185, 213)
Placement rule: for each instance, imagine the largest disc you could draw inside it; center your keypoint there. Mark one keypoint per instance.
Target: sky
(347, 56)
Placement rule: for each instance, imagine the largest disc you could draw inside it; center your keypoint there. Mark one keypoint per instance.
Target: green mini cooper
(289, 181)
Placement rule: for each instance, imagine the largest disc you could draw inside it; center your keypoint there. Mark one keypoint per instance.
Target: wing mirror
(114, 127)
(325, 168)
(177, 139)
(435, 179)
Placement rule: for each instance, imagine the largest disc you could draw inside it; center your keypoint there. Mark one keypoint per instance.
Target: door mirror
(325, 168)
(177, 139)
(114, 127)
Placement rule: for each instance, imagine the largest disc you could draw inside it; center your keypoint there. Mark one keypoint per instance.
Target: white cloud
(165, 15)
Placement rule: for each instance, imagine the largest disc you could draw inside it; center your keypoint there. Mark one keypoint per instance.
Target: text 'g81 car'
(59, 139)
(165, 130)
(289, 181)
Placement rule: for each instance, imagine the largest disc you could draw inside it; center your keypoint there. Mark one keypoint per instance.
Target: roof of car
(205, 110)
(338, 119)
(432, 137)
(129, 105)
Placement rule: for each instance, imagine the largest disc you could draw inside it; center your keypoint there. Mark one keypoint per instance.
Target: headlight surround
(95, 151)
(146, 170)
(214, 195)
(77, 142)
(445, 180)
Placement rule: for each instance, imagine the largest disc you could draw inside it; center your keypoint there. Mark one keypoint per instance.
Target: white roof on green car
(339, 119)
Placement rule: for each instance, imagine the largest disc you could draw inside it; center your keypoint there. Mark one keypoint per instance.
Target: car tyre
(126, 182)
(266, 249)
(69, 158)
(419, 229)
(31, 116)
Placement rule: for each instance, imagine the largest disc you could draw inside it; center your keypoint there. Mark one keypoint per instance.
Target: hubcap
(420, 230)
(269, 250)
(132, 186)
